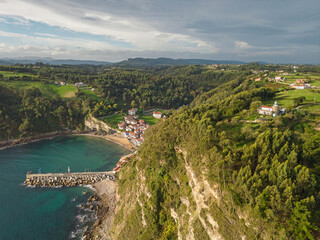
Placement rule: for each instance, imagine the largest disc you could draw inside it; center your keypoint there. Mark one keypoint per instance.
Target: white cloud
(99, 22)
(242, 45)
(213, 29)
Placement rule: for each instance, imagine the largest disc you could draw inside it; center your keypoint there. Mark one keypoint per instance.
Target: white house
(271, 111)
(132, 111)
(79, 84)
(300, 86)
(122, 125)
(157, 115)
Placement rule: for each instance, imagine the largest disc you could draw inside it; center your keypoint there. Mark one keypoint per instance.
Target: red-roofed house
(139, 141)
(122, 125)
(132, 111)
(157, 115)
(128, 119)
(133, 121)
(271, 111)
(137, 131)
(133, 135)
(125, 133)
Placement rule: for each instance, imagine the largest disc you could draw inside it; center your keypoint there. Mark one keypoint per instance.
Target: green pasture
(285, 98)
(91, 94)
(149, 119)
(49, 90)
(113, 120)
(14, 74)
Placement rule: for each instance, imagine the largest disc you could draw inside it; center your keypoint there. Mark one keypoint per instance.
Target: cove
(49, 213)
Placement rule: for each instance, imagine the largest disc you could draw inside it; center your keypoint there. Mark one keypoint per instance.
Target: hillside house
(61, 83)
(300, 86)
(133, 135)
(125, 133)
(134, 126)
(132, 111)
(157, 115)
(137, 131)
(139, 141)
(300, 81)
(79, 84)
(271, 111)
(122, 125)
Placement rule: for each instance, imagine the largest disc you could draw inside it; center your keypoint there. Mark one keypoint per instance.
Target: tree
(133, 103)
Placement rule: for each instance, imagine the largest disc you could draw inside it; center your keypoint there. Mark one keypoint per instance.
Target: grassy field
(91, 94)
(49, 90)
(14, 74)
(314, 79)
(113, 120)
(149, 119)
(117, 118)
(285, 98)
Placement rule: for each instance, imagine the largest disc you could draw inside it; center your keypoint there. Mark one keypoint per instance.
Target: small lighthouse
(68, 169)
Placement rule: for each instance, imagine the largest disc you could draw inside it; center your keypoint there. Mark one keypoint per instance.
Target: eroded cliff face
(97, 125)
(197, 209)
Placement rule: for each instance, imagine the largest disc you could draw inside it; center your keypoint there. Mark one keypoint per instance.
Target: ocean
(28, 213)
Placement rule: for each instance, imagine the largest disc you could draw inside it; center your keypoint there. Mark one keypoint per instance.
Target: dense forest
(256, 180)
(26, 111)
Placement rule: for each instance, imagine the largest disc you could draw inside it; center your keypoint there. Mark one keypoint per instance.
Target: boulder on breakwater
(67, 179)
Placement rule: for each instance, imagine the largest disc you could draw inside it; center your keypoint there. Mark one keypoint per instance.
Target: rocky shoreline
(106, 198)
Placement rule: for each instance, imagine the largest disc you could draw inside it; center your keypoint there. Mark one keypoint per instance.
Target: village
(133, 129)
(294, 80)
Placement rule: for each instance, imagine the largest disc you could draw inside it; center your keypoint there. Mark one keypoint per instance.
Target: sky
(275, 31)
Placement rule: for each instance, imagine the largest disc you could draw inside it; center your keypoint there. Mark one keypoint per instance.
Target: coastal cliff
(97, 125)
(203, 174)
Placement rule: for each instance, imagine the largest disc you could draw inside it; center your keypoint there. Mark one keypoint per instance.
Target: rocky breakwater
(66, 179)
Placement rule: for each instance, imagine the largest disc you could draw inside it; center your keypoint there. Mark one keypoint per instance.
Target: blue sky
(112, 30)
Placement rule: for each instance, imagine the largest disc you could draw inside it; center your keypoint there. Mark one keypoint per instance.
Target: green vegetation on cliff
(206, 172)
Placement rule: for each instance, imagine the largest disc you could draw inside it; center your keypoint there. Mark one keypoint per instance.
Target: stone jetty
(66, 179)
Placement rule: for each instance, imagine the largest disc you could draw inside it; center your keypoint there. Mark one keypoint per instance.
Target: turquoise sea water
(49, 213)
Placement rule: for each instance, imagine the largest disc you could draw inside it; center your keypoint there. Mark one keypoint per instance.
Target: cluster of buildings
(278, 79)
(122, 162)
(133, 128)
(300, 84)
(274, 111)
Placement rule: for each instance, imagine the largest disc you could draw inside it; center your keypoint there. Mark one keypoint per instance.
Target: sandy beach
(116, 138)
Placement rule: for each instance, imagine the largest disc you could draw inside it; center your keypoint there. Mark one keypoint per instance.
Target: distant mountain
(5, 62)
(150, 62)
(130, 63)
(52, 61)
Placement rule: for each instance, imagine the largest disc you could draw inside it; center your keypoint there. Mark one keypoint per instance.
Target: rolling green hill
(206, 172)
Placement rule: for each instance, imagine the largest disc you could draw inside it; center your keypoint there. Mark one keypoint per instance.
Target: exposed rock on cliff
(97, 125)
